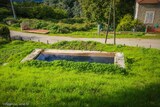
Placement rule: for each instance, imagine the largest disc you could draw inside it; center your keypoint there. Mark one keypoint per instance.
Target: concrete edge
(119, 59)
(75, 51)
(80, 52)
(32, 55)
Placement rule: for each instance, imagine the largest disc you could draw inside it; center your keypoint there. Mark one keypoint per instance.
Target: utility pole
(114, 21)
(14, 14)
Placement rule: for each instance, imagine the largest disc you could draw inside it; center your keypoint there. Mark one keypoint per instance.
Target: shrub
(72, 20)
(5, 33)
(66, 28)
(138, 26)
(54, 27)
(15, 25)
(34, 24)
(10, 20)
(41, 25)
(60, 28)
(25, 25)
(125, 23)
(63, 29)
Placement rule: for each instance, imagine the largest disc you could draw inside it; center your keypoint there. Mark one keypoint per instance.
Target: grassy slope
(56, 84)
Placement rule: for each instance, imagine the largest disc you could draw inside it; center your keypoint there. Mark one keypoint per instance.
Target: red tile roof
(148, 1)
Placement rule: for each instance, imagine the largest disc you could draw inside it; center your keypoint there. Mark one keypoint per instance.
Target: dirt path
(147, 43)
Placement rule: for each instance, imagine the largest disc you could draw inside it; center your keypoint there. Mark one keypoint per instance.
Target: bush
(34, 24)
(138, 26)
(72, 20)
(15, 25)
(5, 33)
(67, 28)
(63, 29)
(25, 25)
(40, 25)
(54, 27)
(10, 20)
(125, 23)
(59, 28)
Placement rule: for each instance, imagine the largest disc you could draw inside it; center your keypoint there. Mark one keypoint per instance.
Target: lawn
(79, 84)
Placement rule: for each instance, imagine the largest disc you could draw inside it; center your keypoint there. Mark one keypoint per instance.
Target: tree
(95, 10)
(4, 3)
(124, 7)
(4, 9)
(71, 6)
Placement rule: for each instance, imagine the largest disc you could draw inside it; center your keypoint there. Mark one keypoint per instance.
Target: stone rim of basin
(118, 56)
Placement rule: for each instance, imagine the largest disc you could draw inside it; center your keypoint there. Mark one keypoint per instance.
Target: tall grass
(67, 84)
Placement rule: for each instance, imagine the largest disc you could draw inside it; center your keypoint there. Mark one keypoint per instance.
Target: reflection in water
(52, 57)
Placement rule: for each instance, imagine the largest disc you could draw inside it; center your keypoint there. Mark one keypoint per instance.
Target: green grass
(14, 28)
(93, 34)
(79, 84)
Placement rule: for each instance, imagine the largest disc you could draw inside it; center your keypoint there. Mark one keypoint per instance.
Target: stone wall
(149, 7)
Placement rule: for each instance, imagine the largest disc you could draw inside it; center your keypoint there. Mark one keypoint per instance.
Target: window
(149, 17)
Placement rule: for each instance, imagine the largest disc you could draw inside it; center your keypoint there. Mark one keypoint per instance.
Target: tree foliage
(124, 7)
(72, 7)
(95, 10)
(4, 3)
(4, 12)
(39, 11)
